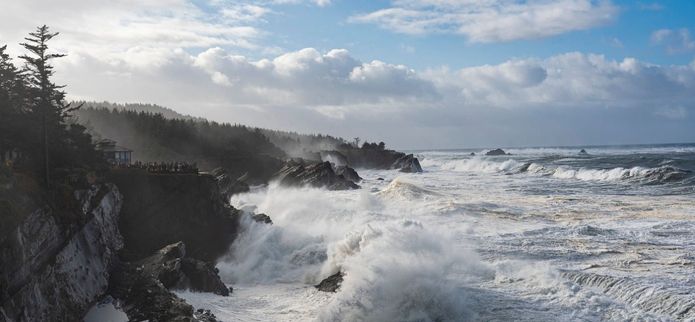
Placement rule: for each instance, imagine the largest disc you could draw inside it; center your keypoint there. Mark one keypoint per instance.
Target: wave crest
(642, 175)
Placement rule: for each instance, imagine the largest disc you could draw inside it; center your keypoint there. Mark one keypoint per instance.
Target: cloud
(491, 20)
(110, 28)
(191, 58)
(334, 92)
(675, 41)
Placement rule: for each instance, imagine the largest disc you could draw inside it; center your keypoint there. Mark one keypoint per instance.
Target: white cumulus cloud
(491, 20)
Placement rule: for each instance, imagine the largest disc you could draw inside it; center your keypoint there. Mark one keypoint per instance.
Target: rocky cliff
(53, 269)
(159, 210)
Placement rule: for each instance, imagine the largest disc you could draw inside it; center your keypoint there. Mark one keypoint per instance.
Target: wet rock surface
(331, 283)
(144, 286)
(297, 173)
(348, 173)
(407, 163)
(262, 218)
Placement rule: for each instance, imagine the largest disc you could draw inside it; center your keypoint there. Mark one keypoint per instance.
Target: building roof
(115, 148)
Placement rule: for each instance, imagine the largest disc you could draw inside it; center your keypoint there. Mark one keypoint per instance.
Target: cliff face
(52, 270)
(160, 210)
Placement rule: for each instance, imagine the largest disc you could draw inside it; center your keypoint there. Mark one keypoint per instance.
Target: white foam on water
(464, 241)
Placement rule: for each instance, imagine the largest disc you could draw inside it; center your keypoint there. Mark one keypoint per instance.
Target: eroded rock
(144, 286)
(298, 173)
(407, 163)
(331, 283)
(496, 152)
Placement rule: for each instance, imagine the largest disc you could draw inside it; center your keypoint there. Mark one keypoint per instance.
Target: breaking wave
(642, 175)
(399, 188)
(398, 272)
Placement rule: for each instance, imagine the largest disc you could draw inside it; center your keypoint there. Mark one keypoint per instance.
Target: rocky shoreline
(136, 236)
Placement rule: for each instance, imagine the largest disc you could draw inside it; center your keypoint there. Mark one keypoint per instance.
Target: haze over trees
(154, 138)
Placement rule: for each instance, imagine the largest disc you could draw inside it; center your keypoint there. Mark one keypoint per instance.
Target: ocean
(543, 234)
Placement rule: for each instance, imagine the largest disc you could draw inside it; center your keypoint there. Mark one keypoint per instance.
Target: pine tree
(47, 100)
(12, 96)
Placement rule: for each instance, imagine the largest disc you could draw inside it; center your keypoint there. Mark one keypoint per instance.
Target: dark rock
(583, 152)
(262, 218)
(144, 286)
(204, 316)
(407, 163)
(146, 298)
(159, 210)
(331, 283)
(298, 173)
(370, 158)
(348, 173)
(176, 271)
(496, 152)
(472, 154)
(56, 262)
(229, 186)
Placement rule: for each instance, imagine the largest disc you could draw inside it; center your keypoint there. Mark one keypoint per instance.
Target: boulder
(144, 286)
(262, 218)
(407, 163)
(331, 283)
(583, 152)
(321, 175)
(176, 271)
(348, 173)
(496, 152)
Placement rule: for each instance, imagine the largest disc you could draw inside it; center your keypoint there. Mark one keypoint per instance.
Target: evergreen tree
(12, 96)
(46, 99)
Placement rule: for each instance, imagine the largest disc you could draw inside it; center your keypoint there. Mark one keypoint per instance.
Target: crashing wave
(401, 189)
(658, 175)
(663, 174)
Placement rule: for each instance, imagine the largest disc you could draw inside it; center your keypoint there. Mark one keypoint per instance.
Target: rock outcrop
(262, 218)
(407, 163)
(331, 283)
(159, 210)
(374, 158)
(348, 173)
(297, 173)
(228, 185)
(496, 152)
(583, 152)
(144, 285)
(55, 264)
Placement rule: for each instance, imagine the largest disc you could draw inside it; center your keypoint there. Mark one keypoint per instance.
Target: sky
(417, 74)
